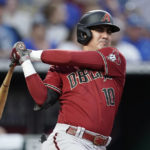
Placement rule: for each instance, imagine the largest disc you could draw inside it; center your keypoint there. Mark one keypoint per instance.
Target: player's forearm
(83, 59)
(35, 85)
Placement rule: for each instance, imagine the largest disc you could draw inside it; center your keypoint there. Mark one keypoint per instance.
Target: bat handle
(11, 67)
(9, 74)
(12, 64)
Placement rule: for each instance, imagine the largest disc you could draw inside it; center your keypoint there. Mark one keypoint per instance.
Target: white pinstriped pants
(60, 140)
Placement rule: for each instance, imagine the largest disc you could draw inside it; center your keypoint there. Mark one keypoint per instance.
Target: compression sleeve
(82, 59)
(36, 88)
(35, 84)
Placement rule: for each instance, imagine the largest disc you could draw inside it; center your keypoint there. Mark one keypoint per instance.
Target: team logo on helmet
(106, 18)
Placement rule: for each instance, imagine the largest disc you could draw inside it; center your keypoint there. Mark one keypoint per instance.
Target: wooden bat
(4, 89)
(5, 85)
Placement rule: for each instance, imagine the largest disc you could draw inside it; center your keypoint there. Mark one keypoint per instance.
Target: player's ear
(84, 35)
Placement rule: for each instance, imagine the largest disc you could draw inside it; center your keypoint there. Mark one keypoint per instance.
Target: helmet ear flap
(84, 35)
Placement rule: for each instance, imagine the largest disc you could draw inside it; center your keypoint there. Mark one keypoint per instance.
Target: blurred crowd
(48, 24)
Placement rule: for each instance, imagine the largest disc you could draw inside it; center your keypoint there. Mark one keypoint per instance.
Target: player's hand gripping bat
(6, 83)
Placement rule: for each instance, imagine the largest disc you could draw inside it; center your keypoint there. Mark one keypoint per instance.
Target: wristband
(35, 55)
(28, 68)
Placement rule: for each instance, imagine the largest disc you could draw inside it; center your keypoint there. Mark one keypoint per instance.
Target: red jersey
(89, 98)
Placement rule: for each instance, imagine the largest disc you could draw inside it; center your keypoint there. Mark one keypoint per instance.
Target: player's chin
(100, 46)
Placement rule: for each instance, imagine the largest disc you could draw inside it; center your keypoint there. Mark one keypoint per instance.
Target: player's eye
(109, 31)
(100, 29)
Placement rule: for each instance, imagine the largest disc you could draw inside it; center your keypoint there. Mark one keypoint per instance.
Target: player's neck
(88, 48)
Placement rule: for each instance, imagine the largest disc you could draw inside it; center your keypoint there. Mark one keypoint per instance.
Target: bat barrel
(4, 89)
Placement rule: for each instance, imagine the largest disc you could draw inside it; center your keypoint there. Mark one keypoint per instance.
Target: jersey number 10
(110, 96)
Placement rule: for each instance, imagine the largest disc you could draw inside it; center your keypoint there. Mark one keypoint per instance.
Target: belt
(98, 140)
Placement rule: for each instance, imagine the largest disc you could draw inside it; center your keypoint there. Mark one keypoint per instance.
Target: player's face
(101, 37)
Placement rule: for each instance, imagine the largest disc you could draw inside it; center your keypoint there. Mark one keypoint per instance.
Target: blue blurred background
(51, 24)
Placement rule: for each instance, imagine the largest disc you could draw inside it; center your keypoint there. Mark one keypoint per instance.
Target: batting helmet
(92, 19)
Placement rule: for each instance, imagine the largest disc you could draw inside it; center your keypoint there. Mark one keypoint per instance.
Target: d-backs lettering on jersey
(90, 98)
(84, 76)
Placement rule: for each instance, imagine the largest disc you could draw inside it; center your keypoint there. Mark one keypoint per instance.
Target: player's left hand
(19, 53)
(14, 58)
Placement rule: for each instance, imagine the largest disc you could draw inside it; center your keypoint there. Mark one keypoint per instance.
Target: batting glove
(19, 53)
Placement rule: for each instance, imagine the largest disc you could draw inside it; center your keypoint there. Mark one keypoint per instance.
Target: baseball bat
(6, 83)
(4, 89)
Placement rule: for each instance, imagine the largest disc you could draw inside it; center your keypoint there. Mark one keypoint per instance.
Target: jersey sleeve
(114, 62)
(106, 59)
(53, 80)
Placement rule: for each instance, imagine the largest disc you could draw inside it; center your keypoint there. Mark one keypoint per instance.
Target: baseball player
(88, 84)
